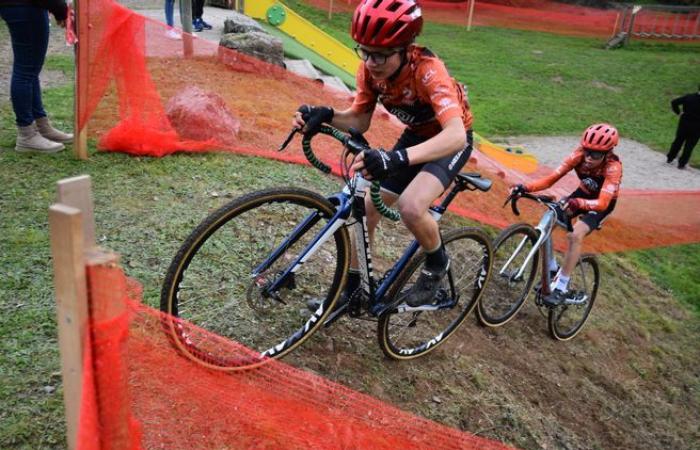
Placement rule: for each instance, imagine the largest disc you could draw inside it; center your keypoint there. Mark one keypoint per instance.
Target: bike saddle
(473, 179)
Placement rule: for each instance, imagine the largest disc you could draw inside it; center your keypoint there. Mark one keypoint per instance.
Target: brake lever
(289, 138)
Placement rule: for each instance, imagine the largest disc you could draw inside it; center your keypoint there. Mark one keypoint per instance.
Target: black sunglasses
(594, 154)
(378, 58)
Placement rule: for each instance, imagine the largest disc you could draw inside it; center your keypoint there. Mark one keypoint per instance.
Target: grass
(514, 91)
(528, 83)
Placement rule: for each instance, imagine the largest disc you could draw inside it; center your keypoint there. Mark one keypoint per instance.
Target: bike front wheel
(407, 333)
(507, 292)
(231, 300)
(565, 321)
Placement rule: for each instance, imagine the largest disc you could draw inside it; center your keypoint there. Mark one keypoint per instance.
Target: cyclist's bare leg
(575, 239)
(413, 205)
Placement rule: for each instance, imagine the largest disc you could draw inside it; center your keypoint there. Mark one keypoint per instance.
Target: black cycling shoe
(556, 298)
(423, 292)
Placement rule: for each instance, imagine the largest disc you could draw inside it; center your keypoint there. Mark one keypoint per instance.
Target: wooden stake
(81, 80)
(77, 193)
(471, 14)
(66, 226)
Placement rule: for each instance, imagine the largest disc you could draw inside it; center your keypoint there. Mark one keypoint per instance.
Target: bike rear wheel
(410, 334)
(220, 282)
(506, 294)
(567, 320)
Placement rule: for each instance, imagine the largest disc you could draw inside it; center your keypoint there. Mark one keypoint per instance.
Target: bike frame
(350, 202)
(544, 229)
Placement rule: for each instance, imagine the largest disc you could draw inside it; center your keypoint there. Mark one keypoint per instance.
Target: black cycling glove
(314, 116)
(382, 164)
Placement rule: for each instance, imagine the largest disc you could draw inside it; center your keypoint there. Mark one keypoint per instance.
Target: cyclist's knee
(576, 236)
(411, 212)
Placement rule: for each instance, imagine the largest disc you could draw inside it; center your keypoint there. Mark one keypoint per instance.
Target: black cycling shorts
(594, 219)
(445, 168)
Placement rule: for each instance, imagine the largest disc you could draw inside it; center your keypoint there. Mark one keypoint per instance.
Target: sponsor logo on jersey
(429, 75)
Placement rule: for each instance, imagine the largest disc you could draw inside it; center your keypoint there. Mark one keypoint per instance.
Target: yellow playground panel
(510, 157)
(311, 37)
(304, 32)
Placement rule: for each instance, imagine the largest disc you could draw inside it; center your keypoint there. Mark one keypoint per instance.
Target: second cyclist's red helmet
(600, 137)
(386, 23)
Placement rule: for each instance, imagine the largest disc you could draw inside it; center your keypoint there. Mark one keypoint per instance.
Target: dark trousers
(29, 32)
(688, 132)
(197, 9)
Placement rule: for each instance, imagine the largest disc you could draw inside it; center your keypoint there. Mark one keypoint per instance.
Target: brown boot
(29, 140)
(52, 134)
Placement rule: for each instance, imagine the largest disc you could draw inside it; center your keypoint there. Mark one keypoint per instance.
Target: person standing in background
(198, 24)
(688, 130)
(169, 11)
(28, 22)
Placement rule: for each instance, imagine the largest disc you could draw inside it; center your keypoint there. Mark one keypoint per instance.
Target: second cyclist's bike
(517, 252)
(248, 271)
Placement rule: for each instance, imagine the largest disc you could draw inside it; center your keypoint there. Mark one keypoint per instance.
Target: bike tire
(216, 313)
(470, 254)
(566, 321)
(505, 296)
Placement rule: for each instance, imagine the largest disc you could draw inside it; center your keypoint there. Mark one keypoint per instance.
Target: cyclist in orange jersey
(414, 85)
(600, 172)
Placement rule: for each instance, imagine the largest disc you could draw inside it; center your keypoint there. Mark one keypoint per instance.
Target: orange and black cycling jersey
(422, 95)
(601, 183)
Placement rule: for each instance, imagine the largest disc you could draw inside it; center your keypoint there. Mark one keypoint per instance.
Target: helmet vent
(378, 27)
(394, 6)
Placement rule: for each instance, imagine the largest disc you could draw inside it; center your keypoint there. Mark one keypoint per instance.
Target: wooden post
(614, 31)
(66, 225)
(635, 10)
(77, 193)
(330, 9)
(186, 21)
(81, 79)
(470, 14)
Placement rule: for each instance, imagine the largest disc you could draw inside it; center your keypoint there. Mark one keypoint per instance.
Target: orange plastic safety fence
(549, 16)
(147, 395)
(136, 74)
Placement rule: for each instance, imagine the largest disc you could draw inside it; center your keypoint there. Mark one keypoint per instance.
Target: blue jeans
(29, 32)
(169, 10)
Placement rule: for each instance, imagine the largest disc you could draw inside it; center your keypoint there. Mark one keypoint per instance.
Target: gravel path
(643, 168)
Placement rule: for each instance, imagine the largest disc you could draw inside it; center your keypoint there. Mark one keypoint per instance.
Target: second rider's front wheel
(230, 298)
(407, 333)
(566, 321)
(513, 275)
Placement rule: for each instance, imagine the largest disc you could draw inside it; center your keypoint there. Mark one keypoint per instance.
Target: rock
(255, 43)
(240, 23)
(199, 115)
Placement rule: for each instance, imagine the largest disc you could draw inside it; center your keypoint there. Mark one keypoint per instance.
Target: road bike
(247, 272)
(517, 252)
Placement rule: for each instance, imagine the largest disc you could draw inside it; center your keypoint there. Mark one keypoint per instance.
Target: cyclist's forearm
(346, 119)
(450, 140)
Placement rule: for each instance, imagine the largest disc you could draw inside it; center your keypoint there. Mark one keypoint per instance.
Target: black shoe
(316, 303)
(427, 285)
(681, 167)
(205, 25)
(556, 298)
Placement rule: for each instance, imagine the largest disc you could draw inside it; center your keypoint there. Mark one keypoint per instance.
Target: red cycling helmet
(600, 137)
(386, 23)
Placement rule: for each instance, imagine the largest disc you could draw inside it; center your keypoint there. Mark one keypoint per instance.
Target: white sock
(553, 265)
(562, 283)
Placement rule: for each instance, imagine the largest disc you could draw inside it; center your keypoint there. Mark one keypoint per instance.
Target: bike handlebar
(546, 200)
(355, 143)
